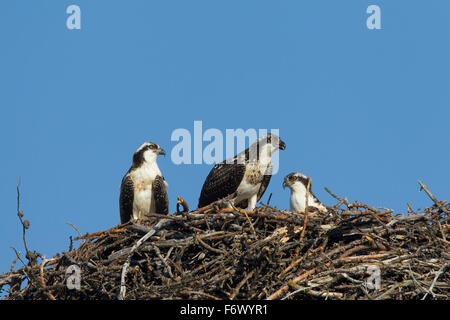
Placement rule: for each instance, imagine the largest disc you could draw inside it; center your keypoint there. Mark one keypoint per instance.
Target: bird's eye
(293, 178)
(152, 147)
(269, 139)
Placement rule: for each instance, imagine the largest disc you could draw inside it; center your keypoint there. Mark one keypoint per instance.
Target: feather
(160, 196)
(126, 199)
(223, 180)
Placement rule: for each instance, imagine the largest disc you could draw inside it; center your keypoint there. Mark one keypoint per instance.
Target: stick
(424, 187)
(318, 294)
(270, 197)
(438, 273)
(163, 260)
(368, 257)
(249, 221)
(353, 250)
(292, 265)
(166, 243)
(395, 286)
(236, 290)
(411, 209)
(337, 198)
(25, 224)
(204, 244)
(284, 288)
(79, 233)
(23, 270)
(306, 210)
(155, 229)
(41, 271)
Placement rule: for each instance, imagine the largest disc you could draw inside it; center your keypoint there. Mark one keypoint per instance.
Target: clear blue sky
(363, 112)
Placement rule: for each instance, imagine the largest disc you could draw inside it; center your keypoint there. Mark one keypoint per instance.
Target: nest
(353, 251)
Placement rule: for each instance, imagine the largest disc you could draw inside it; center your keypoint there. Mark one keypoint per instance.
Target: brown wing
(264, 185)
(160, 196)
(222, 180)
(126, 199)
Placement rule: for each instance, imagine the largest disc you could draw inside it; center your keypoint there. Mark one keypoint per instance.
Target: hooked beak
(161, 152)
(282, 145)
(284, 184)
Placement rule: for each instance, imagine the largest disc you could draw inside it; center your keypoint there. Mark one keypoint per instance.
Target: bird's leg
(252, 202)
(136, 215)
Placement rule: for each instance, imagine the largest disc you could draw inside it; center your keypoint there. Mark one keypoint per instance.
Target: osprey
(244, 177)
(143, 188)
(298, 183)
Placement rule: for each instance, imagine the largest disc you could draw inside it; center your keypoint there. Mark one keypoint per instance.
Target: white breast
(298, 201)
(143, 178)
(251, 182)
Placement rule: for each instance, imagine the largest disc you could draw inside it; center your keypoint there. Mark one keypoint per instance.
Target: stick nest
(267, 253)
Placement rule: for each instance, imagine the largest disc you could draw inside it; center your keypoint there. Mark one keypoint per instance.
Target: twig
(268, 200)
(23, 270)
(251, 225)
(368, 257)
(284, 288)
(155, 229)
(240, 284)
(337, 198)
(41, 269)
(204, 244)
(393, 288)
(315, 293)
(411, 209)
(353, 250)
(25, 223)
(14, 263)
(438, 273)
(306, 210)
(292, 265)
(163, 260)
(79, 233)
(18, 256)
(440, 206)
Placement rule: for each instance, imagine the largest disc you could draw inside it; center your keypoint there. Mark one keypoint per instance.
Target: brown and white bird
(143, 188)
(298, 184)
(245, 177)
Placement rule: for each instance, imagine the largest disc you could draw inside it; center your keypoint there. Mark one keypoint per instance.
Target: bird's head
(296, 180)
(270, 143)
(147, 152)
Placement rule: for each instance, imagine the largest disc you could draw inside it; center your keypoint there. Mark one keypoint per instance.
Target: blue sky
(363, 112)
